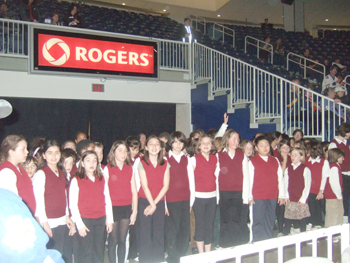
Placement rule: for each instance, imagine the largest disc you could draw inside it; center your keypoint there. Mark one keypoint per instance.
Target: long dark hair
(111, 155)
(160, 159)
(81, 173)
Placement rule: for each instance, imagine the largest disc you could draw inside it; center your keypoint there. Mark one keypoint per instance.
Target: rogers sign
(81, 53)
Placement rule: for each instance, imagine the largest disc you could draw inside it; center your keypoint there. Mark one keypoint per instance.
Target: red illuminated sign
(64, 51)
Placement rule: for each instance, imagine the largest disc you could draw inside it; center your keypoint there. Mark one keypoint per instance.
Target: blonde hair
(198, 150)
(301, 152)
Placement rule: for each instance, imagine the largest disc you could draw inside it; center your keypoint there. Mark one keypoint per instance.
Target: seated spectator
(341, 96)
(327, 65)
(266, 49)
(310, 66)
(72, 18)
(278, 50)
(330, 105)
(331, 81)
(55, 20)
(28, 11)
(342, 69)
(4, 13)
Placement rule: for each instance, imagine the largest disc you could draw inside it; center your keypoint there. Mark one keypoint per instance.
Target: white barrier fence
(15, 42)
(261, 46)
(273, 97)
(304, 63)
(277, 246)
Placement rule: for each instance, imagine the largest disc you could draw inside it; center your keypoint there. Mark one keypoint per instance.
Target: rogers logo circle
(46, 51)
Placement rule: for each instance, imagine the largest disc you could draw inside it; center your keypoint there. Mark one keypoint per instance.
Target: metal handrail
(257, 45)
(200, 20)
(303, 65)
(221, 29)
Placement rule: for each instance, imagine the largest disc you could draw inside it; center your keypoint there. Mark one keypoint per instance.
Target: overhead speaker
(287, 2)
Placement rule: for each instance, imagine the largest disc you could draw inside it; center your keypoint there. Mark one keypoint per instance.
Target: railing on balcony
(261, 46)
(304, 63)
(273, 98)
(227, 33)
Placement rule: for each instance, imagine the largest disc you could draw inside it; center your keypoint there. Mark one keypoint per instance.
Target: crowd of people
(29, 12)
(214, 189)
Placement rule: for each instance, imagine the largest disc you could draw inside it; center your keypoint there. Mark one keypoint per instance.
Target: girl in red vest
(206, 195)
(266, 185)
(179, 198)
(12, 176)
(333, 189)
(91, 209)
(283, 157)
(154, 176)
(248, 148)
(232, 171)
(67, 162)
(340, 141)
(50, 193)
(319, 168)
(297, 181)
(122, 187)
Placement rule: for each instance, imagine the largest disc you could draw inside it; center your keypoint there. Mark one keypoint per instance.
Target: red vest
(265, 184)
(119, 184)
(74, 170)
(155, 178)
(345, 166)
(328, 192)
(231, 172)
(91, 199)
(296, 182)
(179, 187)
(24, 185)
(204, 174)
(280, 159)
(276, 154)
(55, 193)
(316, 175)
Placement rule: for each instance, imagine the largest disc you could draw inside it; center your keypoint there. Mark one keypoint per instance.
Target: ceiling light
(218, 15)
(123, 3)
(164, 10)
(327, 19)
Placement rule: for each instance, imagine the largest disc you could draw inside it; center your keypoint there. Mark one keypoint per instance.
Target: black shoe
(194, 251)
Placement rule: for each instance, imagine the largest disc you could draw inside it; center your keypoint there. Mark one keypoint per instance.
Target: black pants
(263, 215)
(204, 212)
(151, 233)
(233, 227)
(58, 238)
(315, 207)
(90, 249)
(280, 217)
(346, 193)
(300, 222)
(132, 242)
(177, 230)
(67, 254)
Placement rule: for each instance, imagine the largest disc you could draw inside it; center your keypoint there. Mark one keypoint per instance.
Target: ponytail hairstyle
(9, 143)
(160, 159)
(81, 173)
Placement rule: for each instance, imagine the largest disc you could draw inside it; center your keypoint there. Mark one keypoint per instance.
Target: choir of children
(154, 183)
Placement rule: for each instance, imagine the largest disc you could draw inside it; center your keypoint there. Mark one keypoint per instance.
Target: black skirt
(121, 212)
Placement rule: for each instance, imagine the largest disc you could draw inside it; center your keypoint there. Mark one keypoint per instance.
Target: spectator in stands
(278, 50)
(4, 13)
(310, 66)
(331, 81)
(72, 18)
(327, 65)
(55, 20)
(185, 33)
(28, 11)
(266, 49)
(342, 69)
(341, 96)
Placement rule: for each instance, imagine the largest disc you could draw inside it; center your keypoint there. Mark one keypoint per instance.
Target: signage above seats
(67, 52)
